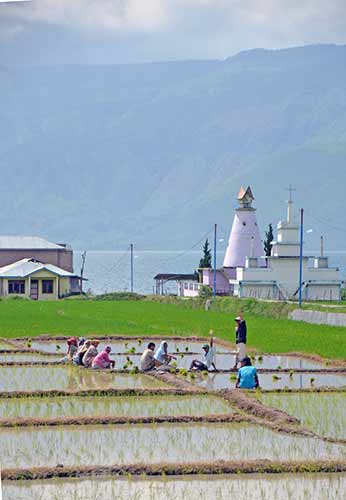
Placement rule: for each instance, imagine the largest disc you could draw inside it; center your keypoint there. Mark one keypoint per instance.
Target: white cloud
(160, 29)
(112, 15)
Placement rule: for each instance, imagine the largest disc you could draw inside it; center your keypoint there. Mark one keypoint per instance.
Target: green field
(82, 317)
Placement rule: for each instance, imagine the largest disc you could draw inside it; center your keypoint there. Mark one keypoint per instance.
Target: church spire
(290, 189)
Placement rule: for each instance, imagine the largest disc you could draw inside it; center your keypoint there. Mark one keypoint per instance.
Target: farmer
(72, 347)
(91, 353)
(161, 356)
(147, 361)
(82, 349)
(240, 339)
(208, 359)
(247, 375)
(102, 360)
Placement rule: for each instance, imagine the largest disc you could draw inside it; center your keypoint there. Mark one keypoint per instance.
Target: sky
(126, 31)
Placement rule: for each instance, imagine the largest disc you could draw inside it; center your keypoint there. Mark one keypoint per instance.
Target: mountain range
(154, 154)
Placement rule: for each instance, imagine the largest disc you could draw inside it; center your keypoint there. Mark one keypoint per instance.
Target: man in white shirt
(208, 358)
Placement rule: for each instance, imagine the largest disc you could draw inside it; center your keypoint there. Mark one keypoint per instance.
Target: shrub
(119, 296)
(205, 292)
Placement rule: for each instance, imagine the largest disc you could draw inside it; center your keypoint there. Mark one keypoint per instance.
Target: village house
(34, 268)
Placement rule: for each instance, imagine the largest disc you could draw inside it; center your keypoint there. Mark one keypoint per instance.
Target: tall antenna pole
(301, 256)
(131, 252)
(215, 234)
(81, 273)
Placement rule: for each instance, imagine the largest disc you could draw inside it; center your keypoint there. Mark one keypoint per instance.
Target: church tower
(244, 240)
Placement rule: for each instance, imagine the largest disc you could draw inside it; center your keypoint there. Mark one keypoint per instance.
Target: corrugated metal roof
(26, 242)
(26, 267)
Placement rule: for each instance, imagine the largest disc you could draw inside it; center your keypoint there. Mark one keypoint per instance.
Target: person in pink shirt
(102, 360)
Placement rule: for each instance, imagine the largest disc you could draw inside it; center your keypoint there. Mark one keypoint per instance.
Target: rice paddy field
(76, 433)
(256, 487)
(324, 413)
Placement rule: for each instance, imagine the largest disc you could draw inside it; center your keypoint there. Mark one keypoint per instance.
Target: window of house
(47, 286)
(186, 286)
(191, 286)
(16, 286)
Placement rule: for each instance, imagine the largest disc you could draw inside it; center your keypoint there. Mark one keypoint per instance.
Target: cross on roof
(291, 190)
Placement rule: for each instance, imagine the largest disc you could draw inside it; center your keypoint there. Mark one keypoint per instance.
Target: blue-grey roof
(25, 267)
(27, 243)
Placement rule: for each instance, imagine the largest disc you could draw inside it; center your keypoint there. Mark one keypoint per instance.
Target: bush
(205, 292)
(119, 296)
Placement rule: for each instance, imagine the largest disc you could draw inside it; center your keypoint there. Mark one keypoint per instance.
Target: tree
(268, 239)
(206, 259)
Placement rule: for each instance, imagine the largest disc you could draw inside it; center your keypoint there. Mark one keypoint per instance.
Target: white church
(246, 272)
(278, 279)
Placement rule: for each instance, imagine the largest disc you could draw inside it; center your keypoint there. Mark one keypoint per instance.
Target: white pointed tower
(244, 240)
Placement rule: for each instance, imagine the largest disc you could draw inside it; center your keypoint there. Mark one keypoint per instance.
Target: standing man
(240, 339)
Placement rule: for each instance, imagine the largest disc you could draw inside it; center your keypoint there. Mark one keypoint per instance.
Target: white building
(280, 279)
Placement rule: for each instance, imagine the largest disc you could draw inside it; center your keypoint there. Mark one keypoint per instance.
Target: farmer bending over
(208, 358)
(161, 356)
(102, 360)
(247, 375)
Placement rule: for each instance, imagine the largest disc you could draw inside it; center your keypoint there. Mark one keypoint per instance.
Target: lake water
(109, 271)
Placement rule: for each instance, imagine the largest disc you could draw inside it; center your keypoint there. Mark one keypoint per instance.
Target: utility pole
(131, 252)
(215, 234)
(301, 256)
(82, 271)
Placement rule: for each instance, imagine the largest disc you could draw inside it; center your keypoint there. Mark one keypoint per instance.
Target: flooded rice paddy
(143, 406)
(151, 444)
(173, 443)
(324, 413)
(255, 487)
(27, 357)
(69, 378)
(272, 381)
(126, 347)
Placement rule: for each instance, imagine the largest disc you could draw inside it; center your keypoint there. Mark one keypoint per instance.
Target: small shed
(185, 283)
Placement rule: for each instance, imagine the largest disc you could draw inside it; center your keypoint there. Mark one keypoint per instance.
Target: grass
(87, 318)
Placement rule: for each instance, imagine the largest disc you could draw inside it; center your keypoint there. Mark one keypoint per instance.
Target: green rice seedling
(192, 376)
(140, 341)
(291, 373)
(279, 367)
(205, 373)
(57, 347)
(186, 349)
(275, 378)
(183, 372)
(312, 380)
(134, 370)
(182, 356)
(174, 364)
(233, 376)
(177, 349)
(125, 366)
(29, 344)
(260, 359)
